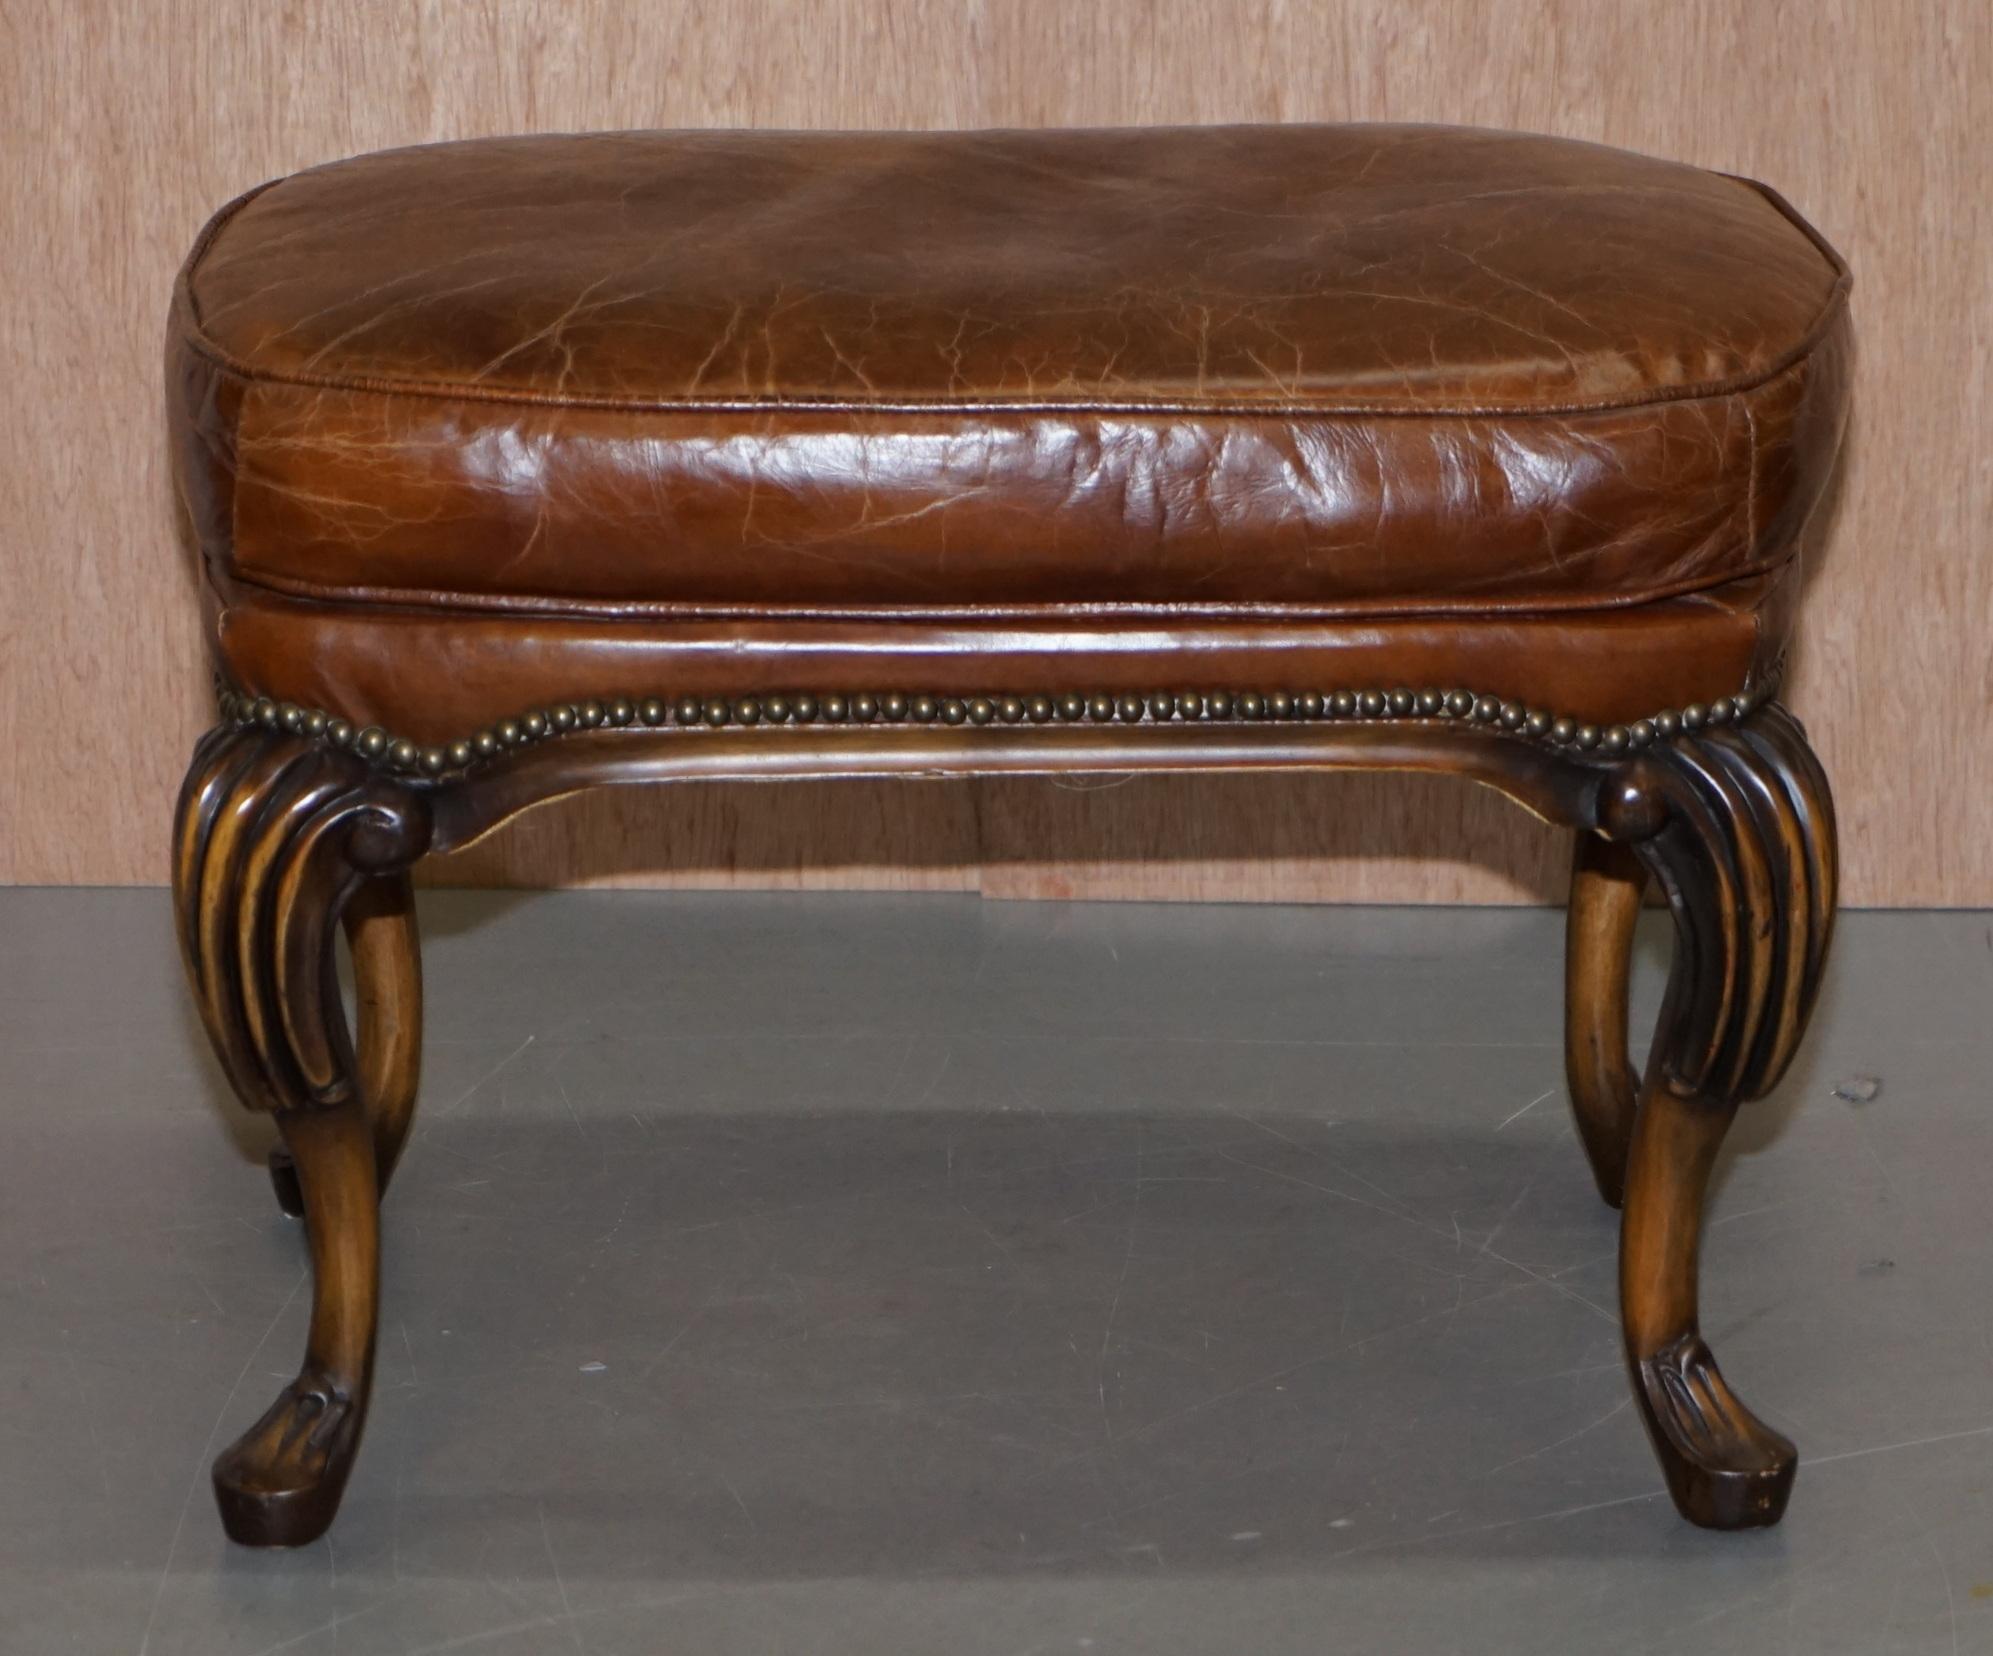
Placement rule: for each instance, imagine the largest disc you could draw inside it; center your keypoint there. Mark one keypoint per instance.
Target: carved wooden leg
(273, 836)
(1607, 884)
(1737, 825)
(387, 973)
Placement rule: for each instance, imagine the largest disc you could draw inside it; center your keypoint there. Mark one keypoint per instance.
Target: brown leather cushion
(1297, 372)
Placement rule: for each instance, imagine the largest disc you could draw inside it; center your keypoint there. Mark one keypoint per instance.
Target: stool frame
(293, 822)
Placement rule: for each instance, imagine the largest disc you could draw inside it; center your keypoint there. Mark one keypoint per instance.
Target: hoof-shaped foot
(279, 1485)
(1726, 1468)
(284, 1180)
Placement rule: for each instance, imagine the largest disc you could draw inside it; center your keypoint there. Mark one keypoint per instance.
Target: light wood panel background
(128, 120)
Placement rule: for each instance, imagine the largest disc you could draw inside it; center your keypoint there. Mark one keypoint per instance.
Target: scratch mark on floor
(560, 1581)
(466, 1095)
(1318, 1154)
(1951, 1605)
(1891, 1448)
(1532, 1104)
(1120, 1285)
(1616, 1410)
(332, 1625)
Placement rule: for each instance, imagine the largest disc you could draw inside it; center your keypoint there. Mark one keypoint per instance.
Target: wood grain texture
(131, 119)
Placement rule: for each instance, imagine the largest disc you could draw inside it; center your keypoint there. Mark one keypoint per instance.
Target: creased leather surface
(1313, 372)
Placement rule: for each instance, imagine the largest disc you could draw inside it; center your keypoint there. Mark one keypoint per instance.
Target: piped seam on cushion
(543, 607)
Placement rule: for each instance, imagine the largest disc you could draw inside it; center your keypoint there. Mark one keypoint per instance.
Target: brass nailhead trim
(381, 748)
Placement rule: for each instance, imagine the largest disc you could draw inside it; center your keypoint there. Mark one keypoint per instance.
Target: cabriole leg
(273, 838)
(1737, 825)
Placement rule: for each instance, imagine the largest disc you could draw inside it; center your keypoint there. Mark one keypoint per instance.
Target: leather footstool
(525, 466)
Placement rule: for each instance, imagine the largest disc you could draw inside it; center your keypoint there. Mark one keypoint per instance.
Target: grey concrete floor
(865, 1274)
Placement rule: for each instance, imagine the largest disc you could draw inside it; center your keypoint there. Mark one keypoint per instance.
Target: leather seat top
(1324, 371)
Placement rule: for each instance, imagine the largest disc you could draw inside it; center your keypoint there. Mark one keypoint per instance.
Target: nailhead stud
(378, 745)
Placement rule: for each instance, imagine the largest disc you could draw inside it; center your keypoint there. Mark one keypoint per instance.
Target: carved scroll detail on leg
(272, 836)
(1607, 884)
(1737, 825)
